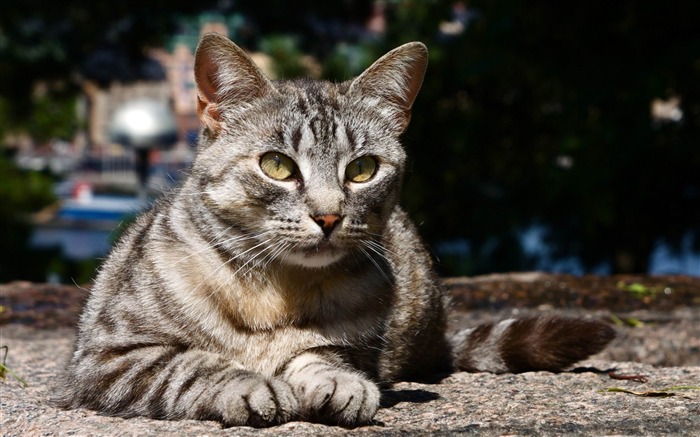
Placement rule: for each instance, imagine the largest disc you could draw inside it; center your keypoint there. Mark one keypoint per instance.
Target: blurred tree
(21, 193)
(285, 54)
(321, 25)
(53, 116)
(45, 50)
(538, 113)
(58, 42)
(532, 113)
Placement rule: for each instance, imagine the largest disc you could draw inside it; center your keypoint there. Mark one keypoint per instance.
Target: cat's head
(308, 171)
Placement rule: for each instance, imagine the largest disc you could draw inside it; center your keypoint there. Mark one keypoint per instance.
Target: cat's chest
(335, 304)
(262, 327)
(341, 305)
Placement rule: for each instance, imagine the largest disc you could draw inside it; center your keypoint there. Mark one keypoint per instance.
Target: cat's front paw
(338, 396)
(265, 402)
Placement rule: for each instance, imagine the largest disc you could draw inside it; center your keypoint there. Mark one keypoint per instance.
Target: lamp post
(143, 125)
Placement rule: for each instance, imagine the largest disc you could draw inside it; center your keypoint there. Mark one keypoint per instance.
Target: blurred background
(552, 136)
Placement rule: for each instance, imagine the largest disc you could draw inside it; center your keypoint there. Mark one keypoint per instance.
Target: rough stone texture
(659, 337)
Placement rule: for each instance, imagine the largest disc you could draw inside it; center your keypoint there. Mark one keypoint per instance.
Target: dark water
(663, 259)
(77, 244)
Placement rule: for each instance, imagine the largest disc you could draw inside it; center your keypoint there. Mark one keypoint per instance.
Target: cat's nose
(327, 222)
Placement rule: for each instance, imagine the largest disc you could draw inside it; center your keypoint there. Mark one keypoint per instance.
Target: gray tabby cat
(282, 281)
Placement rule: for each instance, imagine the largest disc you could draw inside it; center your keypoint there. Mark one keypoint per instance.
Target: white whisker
(274, 254)
(374, 261)
(381, 248)
(209, 245)
(238, 256)
(234, 239)
(197, 193)
(253, 257)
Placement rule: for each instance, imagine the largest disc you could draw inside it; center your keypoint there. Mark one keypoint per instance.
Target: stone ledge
(38, 322)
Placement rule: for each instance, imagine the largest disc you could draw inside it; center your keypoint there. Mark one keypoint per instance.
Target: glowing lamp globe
(144, 124)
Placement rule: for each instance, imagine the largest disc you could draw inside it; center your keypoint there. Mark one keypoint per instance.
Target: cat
(281, 281)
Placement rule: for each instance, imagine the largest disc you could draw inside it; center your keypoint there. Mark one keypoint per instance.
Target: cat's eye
(278, 166)
(361, 169)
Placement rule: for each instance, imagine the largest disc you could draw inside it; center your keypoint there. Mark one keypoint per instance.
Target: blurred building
(104, 102)
(174, 86)
(177, 89)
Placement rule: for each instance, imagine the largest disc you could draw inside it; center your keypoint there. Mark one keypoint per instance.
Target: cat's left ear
(395, 79)
(225, 76)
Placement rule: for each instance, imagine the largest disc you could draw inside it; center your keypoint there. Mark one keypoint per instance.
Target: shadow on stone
(393, 397)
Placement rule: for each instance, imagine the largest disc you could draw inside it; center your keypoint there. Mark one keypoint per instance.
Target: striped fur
(528, 344)
(231, 300)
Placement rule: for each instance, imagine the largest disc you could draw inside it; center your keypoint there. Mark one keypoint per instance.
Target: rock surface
(658, 338)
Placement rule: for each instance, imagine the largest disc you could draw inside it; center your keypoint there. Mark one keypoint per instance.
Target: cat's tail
(535, 343)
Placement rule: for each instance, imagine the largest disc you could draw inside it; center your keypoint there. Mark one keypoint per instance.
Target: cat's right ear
(225, 77)
(395, 80)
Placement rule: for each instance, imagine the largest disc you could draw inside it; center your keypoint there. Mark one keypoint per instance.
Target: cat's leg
(169, 382)
(330, 391)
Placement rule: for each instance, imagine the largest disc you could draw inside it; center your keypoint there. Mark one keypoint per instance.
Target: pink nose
(327, 222)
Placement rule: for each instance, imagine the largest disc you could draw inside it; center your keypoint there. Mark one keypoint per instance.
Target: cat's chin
(314, 260)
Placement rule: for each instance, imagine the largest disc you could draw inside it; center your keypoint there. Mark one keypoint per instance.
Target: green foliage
(50, 41)
(639, 290)
(4, 370)
(53, 116)
(285, 54)
(347, 60)
(628, 321)
(539, 113)
(5, 120)
(21, 193)
(658, 393)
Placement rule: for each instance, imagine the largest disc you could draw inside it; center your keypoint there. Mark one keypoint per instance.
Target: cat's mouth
(321, 254)
(322, 248)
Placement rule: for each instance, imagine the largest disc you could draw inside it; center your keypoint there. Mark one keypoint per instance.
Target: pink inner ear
(225, 76)
(207, 107)
(396, 78)
(206, 73)
(209, 114)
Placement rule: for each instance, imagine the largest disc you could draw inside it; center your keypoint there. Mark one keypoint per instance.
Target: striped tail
(521, 345)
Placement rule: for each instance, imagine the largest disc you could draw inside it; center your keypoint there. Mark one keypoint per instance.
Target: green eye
(361, 169)
(277, 166)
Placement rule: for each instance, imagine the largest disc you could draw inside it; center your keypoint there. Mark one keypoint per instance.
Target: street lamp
(143, 125)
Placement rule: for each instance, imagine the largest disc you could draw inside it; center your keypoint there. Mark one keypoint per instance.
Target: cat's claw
(269, 402)
(339, 397)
